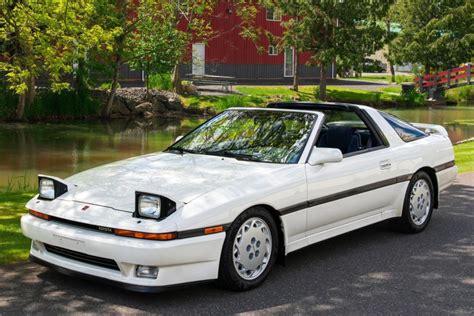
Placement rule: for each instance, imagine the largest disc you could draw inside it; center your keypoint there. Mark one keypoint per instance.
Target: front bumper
(179, 261)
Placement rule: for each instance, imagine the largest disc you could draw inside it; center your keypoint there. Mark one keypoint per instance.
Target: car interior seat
(341, 137)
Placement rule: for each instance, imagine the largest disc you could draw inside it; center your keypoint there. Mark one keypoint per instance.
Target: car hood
(181, 178)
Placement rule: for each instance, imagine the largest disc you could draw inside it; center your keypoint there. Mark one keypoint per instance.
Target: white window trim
(275, 50)
(273, 16)
(284, 63)
(196, 65)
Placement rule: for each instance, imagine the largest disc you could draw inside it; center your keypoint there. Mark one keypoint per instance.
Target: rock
(143, 107)
(190, 89)
(136, 102)
(149, 115)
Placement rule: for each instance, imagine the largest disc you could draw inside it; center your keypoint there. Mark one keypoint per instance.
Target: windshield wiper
(181, 150)
(228, 153)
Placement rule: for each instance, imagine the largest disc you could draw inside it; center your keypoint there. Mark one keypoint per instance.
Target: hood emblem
(85, 208)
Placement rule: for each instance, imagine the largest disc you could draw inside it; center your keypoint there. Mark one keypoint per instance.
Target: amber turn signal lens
(140, 235)
(40, 215)
(213, 230)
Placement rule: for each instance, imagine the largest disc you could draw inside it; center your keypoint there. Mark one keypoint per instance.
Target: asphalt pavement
(371, 271)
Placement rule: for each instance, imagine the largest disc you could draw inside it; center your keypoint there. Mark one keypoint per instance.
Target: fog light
(147, 272)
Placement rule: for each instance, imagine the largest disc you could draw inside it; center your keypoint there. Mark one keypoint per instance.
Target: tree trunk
(20, 110)
(390, 61)
(107, 109)
(322, 82)
(392, 71)
(296, 75)
(31, 91)
(176, 77)
(147, 79)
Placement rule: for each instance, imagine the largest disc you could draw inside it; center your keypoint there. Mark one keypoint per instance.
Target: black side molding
(358, 190)
(446, 165)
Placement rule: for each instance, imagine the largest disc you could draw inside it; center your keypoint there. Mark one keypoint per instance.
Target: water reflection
(67, 148)
(458, 121)
(63, 149)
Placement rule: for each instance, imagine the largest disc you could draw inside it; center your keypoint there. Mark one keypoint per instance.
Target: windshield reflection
(253, 135)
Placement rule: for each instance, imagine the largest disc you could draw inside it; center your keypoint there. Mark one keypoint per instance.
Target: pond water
(62, 149)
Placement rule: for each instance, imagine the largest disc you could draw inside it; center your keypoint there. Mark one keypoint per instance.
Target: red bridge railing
(451, 78)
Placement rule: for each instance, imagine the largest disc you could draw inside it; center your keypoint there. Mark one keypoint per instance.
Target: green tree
(392, 38)
(293, 35)
(437, 34)
(342, 31)
(42, 37)
(170, 24)
(156, 44)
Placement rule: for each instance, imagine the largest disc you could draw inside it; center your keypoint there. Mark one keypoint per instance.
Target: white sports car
(238, 192)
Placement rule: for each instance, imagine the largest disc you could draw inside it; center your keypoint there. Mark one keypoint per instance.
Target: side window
(406, 131)
(272, 50)
(273, 14)
(346, 131)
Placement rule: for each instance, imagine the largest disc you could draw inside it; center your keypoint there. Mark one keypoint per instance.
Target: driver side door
(354, 192)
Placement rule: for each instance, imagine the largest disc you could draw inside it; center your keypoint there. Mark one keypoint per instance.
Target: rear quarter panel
(433, 151)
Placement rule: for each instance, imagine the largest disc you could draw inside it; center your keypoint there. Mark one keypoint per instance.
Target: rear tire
(418, 204)
(250, 250)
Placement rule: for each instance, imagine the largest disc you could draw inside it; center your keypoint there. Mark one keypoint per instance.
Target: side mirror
(321, 156)
(178, 138)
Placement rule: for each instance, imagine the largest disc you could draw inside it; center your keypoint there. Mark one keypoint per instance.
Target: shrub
(399, 79)
(67, 103)
(466, 93)
(413, 97)
(160, 82)
(461, 95)
(316, 92)
(226, 102)
(8, 102)
(107, 85)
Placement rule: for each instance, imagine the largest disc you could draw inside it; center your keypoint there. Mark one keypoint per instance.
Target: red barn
(228, 54)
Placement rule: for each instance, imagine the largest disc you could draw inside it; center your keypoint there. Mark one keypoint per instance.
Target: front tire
(418, 204)
(250, 250)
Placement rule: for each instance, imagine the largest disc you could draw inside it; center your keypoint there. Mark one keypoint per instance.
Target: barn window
(272, 50)
(273, 14)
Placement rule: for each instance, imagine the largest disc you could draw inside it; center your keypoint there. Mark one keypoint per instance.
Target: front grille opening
(82, 257)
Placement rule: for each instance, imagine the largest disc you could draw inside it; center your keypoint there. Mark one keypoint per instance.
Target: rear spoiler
(431, 128)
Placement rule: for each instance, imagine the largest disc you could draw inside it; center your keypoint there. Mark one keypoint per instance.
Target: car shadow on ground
(372, 270)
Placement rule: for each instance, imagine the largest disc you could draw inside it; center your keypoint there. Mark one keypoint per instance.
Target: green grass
(262, 95)
(464, 154)
(394, 89)
(220, 103)
(386, 97)
(14, 246)
(375, 78)
(383, 78)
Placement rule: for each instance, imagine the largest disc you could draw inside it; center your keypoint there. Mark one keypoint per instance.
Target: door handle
(385, 165)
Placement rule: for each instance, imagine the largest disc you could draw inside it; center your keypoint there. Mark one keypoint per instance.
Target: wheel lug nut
(258, 243)
(251, 256)
(253, 240)
(248, 248)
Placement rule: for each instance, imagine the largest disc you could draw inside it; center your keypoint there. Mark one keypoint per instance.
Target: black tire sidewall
(228, 276)
(408, 221)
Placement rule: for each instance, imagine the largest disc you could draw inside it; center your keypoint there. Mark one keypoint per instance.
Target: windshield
(266, 136)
